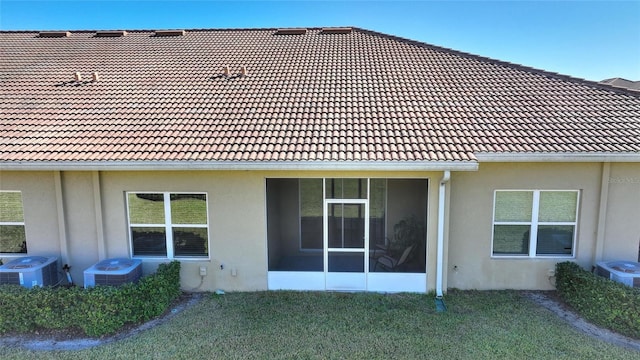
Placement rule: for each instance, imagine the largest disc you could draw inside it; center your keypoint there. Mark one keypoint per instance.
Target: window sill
(527, 257)
(159, 258)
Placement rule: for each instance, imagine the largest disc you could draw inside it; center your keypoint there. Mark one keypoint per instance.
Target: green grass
(290, 325)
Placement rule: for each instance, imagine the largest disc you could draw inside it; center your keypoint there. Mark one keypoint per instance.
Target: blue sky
(586, 39)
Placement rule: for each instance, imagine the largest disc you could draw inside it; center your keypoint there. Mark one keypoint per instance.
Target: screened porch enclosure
(340, 233)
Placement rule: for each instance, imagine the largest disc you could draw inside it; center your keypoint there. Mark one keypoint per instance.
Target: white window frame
(15, 223)
(168, 226)
(534, 223)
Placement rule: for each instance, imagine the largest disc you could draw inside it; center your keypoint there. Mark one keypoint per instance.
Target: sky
(593, 40)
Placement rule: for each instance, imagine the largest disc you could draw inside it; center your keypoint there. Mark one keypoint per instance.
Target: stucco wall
(80, 222)
(622, 232)
(237, 230)
(237, 221)
(238, 212)
(470, 264)
(40, 211)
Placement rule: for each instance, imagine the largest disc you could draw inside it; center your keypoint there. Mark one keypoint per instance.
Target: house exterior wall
(40, 210)
(470, 264)
(237, 224)
(238, 219)
(80, 222)
(94, 207)
(622, 231)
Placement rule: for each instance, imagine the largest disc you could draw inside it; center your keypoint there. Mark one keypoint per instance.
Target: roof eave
(558, 157)
(241, 165)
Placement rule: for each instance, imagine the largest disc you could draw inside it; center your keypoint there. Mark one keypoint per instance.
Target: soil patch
(550, 301)
(75, 339)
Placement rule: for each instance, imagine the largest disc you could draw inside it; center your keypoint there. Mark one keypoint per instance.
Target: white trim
(397, 282)
(12, 223)
(241, 165)
(296, 280)
(168, 226)
(380, 281)
(342, 280)
(534, 224)
(533, 228)
(557, 157)
(442, 215)
(308, 165)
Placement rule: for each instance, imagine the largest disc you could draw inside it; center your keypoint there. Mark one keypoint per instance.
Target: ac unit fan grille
(10, 278)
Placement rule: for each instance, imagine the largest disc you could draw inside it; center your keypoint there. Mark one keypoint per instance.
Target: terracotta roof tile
(348, 96)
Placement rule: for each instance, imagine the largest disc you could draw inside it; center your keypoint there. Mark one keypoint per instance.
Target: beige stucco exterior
(81, 218)
(622, 227)
(470, 262)
(85, 212)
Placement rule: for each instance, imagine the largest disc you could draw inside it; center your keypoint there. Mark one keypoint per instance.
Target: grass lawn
(290, 325)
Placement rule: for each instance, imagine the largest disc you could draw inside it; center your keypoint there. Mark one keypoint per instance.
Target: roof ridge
(517, 66)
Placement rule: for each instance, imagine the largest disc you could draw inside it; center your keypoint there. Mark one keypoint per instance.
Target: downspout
(97, 205)
(602, 212)
(62, 227)
(440, 242)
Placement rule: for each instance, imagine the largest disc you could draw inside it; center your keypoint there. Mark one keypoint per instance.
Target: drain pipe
(440, 249)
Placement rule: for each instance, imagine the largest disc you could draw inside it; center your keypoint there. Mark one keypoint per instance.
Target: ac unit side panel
(601, 271)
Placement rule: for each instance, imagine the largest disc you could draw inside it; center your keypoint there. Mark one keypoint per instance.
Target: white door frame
(348, 281)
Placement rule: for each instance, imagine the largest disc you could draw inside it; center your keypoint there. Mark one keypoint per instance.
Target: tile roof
(314, 95)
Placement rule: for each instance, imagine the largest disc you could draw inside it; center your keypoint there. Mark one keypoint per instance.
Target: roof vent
(243, 71)
(170, 32)
(226, 71)
(291, 31)
(77, 76)
(54, 34)
(95, 76)
(337, 30)
(115, 33)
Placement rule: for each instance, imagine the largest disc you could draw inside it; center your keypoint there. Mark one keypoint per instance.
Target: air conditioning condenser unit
(30, 271)
(113, 272)
(626, 272)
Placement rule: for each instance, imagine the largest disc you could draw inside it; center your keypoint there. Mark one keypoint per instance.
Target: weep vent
(170, 32)
(117, 33)
(54, 34)
(298, 31)
(336, 30)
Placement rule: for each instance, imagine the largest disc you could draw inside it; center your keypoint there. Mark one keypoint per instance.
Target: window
(168, 225)
(534, 223)
(12, 234)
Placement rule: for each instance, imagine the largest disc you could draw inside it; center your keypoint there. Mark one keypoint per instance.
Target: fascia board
(236, 165)
(558, 157)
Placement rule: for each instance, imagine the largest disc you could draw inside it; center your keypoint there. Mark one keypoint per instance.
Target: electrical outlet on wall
(203, 271)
